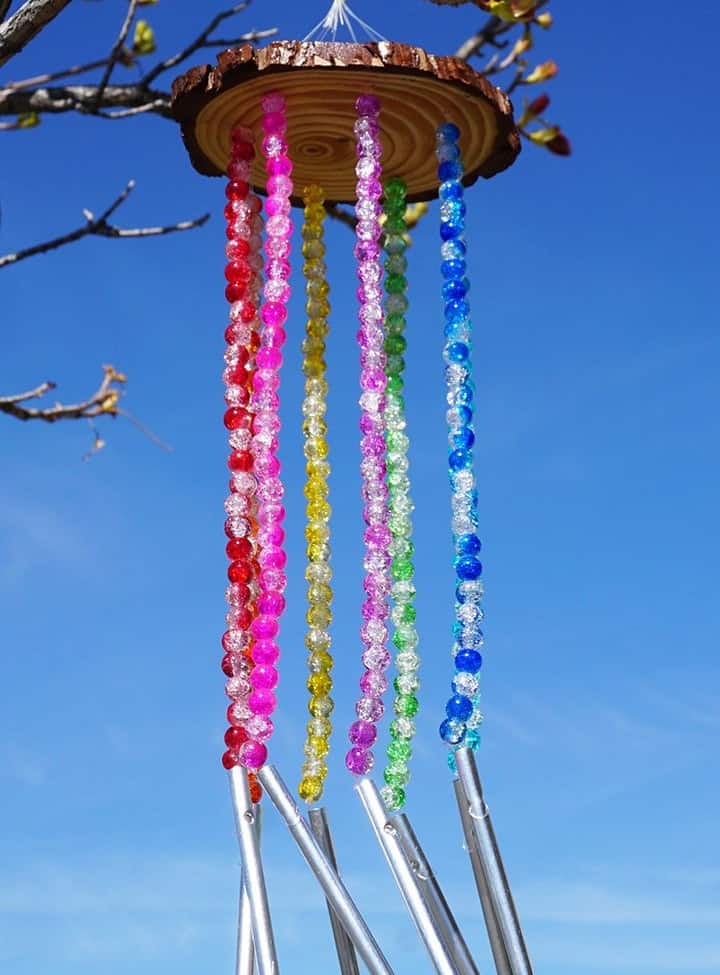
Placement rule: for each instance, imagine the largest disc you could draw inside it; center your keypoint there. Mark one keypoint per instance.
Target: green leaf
(28, 120)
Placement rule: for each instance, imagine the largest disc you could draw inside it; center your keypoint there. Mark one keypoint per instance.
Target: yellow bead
(316, 448)
(320, 660)
(313, 194)
(320, 706)
(315, 213)
(320, 727)
(310, 788)
(318, 614)
(317, 535)
(318, 308)
(317, 747)
(319, 683)
(319, 592)
(314, 268)
(317, 288)
(317, 328)
(314, 366)
(316, 387)
(318, 510)
(318, 552)
(313, 249)
(315, 488)
(318, 643)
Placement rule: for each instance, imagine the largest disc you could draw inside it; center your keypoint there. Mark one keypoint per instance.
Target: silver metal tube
(502, 965)
(335, 891)
(343, 945)
(435, 898)
(254, 878)
(388, 836)
(492, 864)
(245, 952)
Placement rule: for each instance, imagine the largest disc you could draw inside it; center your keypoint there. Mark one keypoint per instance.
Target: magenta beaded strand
(376, 658)
(266, 427)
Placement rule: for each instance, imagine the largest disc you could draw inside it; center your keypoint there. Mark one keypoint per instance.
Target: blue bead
(459, 459)
(456, 311)
(449, 170)
(469, 545)
(472, 739)
(452, 764)
(458, 352)
(453, 250)
(448, 132)
(454, 289)
(457, 629)
(464, 414)
(459, 707)
(452, 731)
(452, 190)
(453, 269)
(448, 231)
(465, 438)
(468, 660)
(465, 393)
(468, 567)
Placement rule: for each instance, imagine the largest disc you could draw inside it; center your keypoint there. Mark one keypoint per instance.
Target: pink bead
(279, 186)
(265, 652)
(272, 579)
(264, 677)
(268, 358)
(278, 166)
(274, 313)
(274, 122)
(274, 337)
(358, 760)
(264, 628)
(367, 105)
(253, 754)
(363, 733)
(261, 701)
(271, 602)
(273, 558)
(273, 102)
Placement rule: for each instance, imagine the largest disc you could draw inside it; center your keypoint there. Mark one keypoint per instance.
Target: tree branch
(117, 49)
(82, 98)
(100, 227)
(103, 401)
(25, 23)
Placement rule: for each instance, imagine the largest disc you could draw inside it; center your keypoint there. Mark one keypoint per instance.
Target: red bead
(233, 418)
(240, 460)
(235, 292)
(237, 374)
(237, 189)
(229, 760)
(226, 665)
(254, 343)
(255, 791)
(249, 312)
(232, 720)
(240, 572)
(243, 150)
(235, 737)
(245, 617)
(238, 272)
(227, 637)
(237, 249)
(238, 548)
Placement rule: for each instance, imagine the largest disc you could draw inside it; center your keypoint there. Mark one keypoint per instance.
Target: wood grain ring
(321, 82)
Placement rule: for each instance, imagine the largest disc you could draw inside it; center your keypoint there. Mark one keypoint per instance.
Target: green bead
(396, 364)
(395, 344)
(395, 284)
(397, 774)
(395, 385)
(409, 613)
(395, 224)
(399, 751)
(406, 705)
(393, 797)
(402, 568)
(395, 322)
(406, 683)
(394, 186)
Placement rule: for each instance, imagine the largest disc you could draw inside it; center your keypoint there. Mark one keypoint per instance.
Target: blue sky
(595, 295)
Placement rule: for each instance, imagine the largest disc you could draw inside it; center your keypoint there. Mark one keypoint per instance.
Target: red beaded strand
(243, 275)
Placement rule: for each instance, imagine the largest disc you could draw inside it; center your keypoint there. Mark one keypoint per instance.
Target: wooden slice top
(417, 91)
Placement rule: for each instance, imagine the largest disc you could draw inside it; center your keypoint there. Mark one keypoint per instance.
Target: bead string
(463, 715)
(244, 227)
(266, 427)
(373, 633)
(318, 573)
(403, 613)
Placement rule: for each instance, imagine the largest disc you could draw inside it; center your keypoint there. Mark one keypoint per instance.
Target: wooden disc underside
(320, 81)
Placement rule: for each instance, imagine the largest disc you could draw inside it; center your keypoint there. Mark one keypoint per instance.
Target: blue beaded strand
(463, 715)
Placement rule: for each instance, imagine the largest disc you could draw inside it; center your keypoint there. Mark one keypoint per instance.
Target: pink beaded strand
(376, 659)
(243, 250)
(265, 428)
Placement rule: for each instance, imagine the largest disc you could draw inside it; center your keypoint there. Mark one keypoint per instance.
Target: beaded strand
(266, 427)
(318, 573)
(377, 583)
(463, 715)
(242, 273)
(403, 613)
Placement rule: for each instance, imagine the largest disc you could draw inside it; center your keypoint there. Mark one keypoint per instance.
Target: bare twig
(116, 50)
(100, 227)
(25, 23)
(489, 34)
(82, 98)
(42, 79)
(104, 401)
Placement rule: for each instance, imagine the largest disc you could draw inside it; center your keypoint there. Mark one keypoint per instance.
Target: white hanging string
(338, 16)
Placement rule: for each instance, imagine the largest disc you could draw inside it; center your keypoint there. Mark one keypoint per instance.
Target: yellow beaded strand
(317, 531)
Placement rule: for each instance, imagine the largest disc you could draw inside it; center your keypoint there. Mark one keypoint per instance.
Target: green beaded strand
(405, 637)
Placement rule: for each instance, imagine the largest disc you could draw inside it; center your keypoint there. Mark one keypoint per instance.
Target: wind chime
(379, 125)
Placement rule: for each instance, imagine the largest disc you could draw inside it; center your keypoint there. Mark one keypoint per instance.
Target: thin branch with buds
(101, 227)
(103, 401)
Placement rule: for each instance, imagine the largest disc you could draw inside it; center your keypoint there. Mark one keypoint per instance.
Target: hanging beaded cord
(463, 716)
(373, 633)
(403, 613)
(318, 573)
(243, 250)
